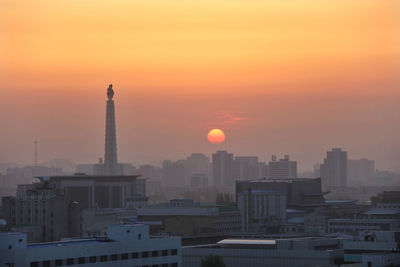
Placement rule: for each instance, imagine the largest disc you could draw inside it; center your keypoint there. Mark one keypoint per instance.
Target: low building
(186, 218)
(300, 192)
(297, 252)
(124, 245)
(96, 222)
(373, 248)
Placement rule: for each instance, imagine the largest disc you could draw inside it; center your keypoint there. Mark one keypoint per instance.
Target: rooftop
(382, 211)
(69, 242)
(247, 242)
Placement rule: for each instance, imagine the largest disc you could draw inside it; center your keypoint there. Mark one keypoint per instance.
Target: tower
(110, 153)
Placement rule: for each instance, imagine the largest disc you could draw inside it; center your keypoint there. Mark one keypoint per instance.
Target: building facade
(124, 245)
(55, 203)
(261, 209)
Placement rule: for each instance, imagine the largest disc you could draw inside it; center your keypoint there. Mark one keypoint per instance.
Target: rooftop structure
(269, 252)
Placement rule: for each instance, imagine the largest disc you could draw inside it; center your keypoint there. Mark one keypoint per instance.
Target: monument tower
(110, 153)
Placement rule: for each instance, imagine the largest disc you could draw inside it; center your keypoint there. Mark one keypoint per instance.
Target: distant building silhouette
(246, 168)
(282, 169)
(222, 162)
(334, 169)
(360, 171)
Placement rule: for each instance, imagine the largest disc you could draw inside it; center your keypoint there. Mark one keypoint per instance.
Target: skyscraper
(334, 169)
(110, 165)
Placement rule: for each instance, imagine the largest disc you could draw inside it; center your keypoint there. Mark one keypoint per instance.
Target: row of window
(104, 258)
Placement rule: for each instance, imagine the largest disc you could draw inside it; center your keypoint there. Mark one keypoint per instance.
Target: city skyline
(213, 133)
(279, 78)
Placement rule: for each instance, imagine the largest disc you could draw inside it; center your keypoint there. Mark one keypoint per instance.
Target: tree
(212, 261)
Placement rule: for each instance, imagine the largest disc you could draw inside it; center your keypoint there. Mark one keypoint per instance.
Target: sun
(216, 136)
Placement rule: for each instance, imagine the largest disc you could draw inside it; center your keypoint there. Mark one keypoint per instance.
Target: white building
(261, 208)
(282, 169)
(373, 248)
(299, 252)
(125, 245)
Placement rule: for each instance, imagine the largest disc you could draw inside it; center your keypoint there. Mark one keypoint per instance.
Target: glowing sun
(216, 136)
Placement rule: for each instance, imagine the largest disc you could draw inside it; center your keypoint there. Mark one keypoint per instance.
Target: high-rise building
(222, 162)
(174, 173)
(197, 163)
(334, 169)
(282, 169)
(246, 168)
(110, 165)
(360, 171)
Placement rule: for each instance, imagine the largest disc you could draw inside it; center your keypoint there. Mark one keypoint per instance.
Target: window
(164, 252)
(92, 259)
(145, 254)
(175, 264)
(103, 258)
(165, 265)
(124, 256)
(58, 262)
(114, 257)
(139, 236)
(174, 252)
(154, 253)
(154, 265)
(35, 264)
(135, 255)
(46, 264)
(9, 247)
(70, 261)
(81, 260)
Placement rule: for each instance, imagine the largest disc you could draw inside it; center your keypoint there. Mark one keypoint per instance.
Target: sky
(292, 77)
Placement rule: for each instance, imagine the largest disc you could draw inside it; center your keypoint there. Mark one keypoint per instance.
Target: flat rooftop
(69, 242)
(247, 242)
(88, 177)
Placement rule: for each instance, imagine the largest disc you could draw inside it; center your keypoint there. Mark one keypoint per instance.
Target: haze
(278, 77)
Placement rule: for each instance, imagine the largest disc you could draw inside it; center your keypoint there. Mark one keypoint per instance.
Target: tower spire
(110, 153)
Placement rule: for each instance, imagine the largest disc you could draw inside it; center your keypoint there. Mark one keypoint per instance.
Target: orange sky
(300, 75)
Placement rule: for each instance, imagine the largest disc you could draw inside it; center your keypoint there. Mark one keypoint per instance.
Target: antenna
(35, 155)
(35, 160)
